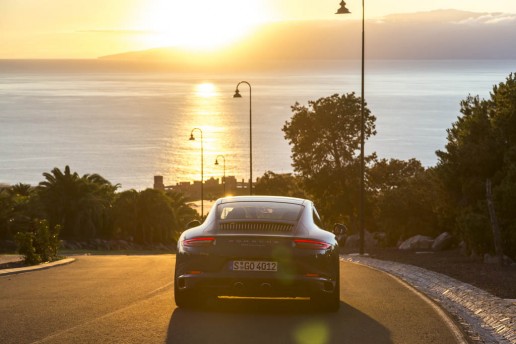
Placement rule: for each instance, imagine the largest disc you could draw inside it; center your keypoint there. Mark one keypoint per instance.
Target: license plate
(249, 265)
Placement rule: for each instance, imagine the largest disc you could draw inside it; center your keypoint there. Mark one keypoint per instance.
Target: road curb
(43, 266)
(491, 318)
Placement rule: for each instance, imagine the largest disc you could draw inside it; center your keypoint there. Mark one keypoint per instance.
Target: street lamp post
(224, 167)
(192, 138)
(238, 95)
(344, 10)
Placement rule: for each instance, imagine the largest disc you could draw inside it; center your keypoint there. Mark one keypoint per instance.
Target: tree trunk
(494, 223)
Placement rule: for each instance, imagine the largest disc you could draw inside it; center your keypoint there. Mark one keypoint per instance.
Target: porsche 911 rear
(256, 257)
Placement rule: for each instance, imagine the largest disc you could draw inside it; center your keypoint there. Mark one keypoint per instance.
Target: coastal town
(213, 188)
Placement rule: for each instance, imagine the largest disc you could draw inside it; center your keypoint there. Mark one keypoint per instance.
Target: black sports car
(258, 246)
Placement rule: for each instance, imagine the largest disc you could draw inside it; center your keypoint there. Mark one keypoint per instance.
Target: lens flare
(312, 333)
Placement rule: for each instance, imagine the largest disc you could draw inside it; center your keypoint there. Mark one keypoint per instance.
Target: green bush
(39, 245)
(25, 241)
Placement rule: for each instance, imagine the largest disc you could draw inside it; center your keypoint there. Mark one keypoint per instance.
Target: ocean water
(129, 125)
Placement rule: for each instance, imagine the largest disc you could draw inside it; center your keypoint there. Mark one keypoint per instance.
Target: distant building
(231, 185)
(213, 188)
(158, 183)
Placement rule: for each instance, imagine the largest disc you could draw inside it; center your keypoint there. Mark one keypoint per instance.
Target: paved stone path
(485, 318)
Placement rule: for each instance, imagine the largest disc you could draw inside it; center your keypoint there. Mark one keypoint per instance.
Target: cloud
(489, 19)
(451, 17)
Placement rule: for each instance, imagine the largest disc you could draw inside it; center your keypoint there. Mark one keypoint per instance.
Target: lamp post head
(192, 138)
(216, 162)
(342, 9)
(237, 94)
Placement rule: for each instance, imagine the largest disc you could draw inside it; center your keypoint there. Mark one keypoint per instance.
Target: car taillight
(311, 244)
(199, 242)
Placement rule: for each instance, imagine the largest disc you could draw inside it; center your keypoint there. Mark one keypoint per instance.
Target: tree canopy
(481, 148)
(77, 204)
(325, 140)
(89, 207)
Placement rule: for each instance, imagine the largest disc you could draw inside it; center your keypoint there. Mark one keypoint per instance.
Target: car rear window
(259, 211)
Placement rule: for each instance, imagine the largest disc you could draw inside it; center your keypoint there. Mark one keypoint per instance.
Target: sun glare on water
(205, 90)
(200, 24)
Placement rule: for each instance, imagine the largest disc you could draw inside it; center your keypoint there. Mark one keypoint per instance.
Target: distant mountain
(441, 34)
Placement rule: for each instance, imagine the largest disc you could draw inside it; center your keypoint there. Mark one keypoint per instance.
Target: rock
(442, 242)
(353, 241)
(381, 238)
(418, 242)
(122, 244)
(99, 244)
(489, 259)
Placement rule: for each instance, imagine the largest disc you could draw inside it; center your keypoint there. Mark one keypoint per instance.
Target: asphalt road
(129, 299)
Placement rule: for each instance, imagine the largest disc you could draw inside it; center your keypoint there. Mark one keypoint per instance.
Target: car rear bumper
(255, 284)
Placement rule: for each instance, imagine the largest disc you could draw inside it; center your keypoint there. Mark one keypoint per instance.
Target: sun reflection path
(204, 109)
(206, 90)
(207, 106)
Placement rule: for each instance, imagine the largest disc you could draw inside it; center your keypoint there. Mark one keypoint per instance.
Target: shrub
(39, 245)
(25, 242)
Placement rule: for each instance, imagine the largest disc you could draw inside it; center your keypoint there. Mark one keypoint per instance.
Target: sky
(92, 28)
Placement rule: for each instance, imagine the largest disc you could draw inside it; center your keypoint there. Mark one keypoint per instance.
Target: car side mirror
(339, 229)
(193, 223)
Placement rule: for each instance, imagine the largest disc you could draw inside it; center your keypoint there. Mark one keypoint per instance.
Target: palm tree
(155, 216)
(182, 212)
(20, 189)
(78, 204)
(150, 216)
(99, 196)
(125, 214)
(58, 194)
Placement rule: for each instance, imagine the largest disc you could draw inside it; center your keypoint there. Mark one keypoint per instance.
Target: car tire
(328, 302)
(190, 298)
(183, 299)
(332, 302)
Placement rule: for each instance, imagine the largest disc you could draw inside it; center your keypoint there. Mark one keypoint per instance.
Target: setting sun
(200, 25)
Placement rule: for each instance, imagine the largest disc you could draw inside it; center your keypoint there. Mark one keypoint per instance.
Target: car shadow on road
(273, 321)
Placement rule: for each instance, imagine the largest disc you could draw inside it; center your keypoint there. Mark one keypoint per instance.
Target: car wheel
(329, 302)
(190, 298)
(183, 299)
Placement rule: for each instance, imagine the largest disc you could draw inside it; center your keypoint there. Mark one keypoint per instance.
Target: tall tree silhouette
(76, 203)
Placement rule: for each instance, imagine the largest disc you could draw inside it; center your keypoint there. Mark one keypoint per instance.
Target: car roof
(275, 199)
